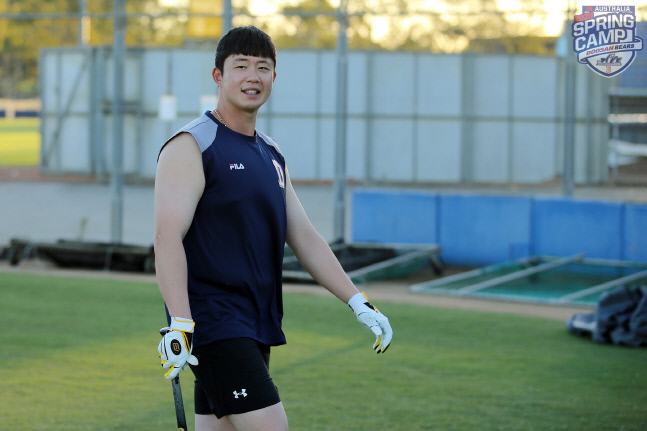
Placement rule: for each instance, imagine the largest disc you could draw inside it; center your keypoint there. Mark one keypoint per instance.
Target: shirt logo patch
(236, 166)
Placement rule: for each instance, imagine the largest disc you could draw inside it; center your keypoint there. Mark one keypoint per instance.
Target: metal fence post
(340, 125)
(116, 179)
(227, 16)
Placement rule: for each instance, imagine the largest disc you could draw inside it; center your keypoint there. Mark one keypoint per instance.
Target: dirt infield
(380, 291)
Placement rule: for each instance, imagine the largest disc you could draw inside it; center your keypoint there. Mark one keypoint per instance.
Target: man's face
(246, 81)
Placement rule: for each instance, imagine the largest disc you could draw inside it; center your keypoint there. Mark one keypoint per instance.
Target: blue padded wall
(635, 233)
(395, 217)
(565, 227)
(479, 230)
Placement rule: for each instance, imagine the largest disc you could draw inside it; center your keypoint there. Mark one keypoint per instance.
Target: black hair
(246, 41)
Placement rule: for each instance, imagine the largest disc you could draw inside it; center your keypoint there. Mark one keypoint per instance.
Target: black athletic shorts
(232, 377)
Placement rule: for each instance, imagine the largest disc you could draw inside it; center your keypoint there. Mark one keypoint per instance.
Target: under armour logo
(242, 392)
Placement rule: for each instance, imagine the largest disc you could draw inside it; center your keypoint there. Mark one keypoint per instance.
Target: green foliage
(22, 39)
(453, 24)
(85, 359)
(317, 28)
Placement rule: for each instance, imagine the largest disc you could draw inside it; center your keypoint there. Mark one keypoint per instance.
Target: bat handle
(177, 395)
(179, 405)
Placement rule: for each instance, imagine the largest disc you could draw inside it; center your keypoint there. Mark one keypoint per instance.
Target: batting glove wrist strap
(182, 324)
(371, 318)
(357, 302)
(176, 346)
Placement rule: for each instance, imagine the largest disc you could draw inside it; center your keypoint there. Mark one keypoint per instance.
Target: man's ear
(217, 76)
(274, 77)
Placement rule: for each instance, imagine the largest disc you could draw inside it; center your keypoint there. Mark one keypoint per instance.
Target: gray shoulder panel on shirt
(269, 141)
(203, 129)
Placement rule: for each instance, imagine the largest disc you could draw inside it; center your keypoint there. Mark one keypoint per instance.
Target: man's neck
(237, 120)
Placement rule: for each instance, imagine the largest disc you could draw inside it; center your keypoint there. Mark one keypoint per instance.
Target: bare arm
(312, 250)
(179, 183)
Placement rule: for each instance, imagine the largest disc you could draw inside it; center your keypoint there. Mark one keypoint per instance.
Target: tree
(315, 31)
(411, 25)
(22, 39)
(456, 23)
(453, 26)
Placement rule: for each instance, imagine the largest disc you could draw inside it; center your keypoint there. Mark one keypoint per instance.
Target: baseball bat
(179, 404)
(177, 397)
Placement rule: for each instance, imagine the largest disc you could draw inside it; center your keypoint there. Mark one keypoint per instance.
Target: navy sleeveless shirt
(234, 246)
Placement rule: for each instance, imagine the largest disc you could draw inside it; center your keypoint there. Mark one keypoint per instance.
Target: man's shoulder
(203, 130)
(199, 131)
(179, 144)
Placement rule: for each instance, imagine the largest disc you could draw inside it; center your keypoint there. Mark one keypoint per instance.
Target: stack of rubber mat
(620, 318)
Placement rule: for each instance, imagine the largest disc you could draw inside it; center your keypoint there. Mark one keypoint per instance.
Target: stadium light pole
(339, 191)
(117, 177)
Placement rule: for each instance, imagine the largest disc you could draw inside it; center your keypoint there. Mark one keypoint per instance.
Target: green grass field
(19, 142)
(80, 354)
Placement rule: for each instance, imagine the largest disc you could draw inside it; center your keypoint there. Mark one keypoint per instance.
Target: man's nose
(252, 76)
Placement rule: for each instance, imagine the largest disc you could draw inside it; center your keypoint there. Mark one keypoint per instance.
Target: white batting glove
(370, 317)
(176, 346)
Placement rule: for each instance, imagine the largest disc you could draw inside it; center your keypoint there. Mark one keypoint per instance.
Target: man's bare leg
(212, 423)
(270, 418)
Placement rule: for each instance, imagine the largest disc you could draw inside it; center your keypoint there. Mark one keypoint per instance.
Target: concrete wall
(480, 230)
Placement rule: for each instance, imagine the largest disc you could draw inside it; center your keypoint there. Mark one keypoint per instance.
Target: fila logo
(236, 166)
(242, 392)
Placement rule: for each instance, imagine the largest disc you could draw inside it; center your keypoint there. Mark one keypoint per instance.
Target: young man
(224, 209)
